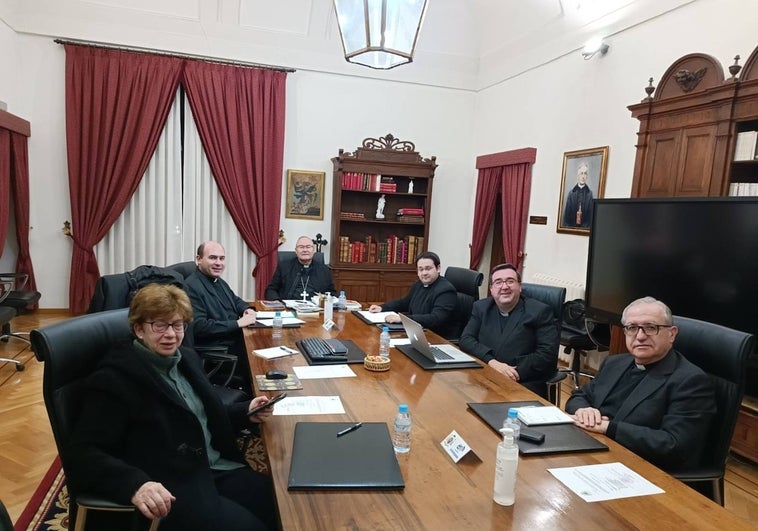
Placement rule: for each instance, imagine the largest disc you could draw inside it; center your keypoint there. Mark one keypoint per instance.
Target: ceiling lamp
(380, 34)
(594, 46)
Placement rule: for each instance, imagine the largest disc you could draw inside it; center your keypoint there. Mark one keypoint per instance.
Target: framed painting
(583, 180)
(305, 194)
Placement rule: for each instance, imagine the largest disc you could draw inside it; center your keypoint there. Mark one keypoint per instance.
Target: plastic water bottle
(276, 326)
(342, 301)
(512, 422)
(401, 437)
(328, 307)
(506, 466)
(384, 342)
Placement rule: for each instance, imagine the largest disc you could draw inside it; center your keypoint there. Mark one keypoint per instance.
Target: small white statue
(410, 186)
(380, 208)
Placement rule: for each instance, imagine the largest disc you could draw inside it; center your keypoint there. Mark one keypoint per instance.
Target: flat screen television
(698, 255)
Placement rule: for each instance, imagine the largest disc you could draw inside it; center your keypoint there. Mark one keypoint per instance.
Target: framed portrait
(305, 194)
(583, 180)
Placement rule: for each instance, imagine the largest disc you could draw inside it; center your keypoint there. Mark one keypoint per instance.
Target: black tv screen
(698, 255)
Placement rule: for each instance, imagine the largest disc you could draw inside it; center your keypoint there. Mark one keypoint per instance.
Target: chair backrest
(466, 281)
(117, 290)
(185, 269)
(284, 256)
(71, 351)
(553, 296)
(723, 354)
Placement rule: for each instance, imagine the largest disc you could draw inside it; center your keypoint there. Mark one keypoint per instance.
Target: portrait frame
(305, 194)
(571, 220)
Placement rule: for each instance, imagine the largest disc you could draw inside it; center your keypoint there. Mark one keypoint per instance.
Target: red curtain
(487, 188)
(239, 113)
(20, 190)
(516, 190)
(5, 184)
(117, 103)
(507, 175)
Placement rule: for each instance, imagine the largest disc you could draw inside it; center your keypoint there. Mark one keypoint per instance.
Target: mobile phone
(270, 403)
(533, 436)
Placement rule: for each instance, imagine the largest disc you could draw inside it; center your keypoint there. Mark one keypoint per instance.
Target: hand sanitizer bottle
(328, 307)
(506, 466)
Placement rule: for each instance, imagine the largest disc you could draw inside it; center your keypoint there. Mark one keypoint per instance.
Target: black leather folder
(361, 459)
(354, 355)
(559, 438)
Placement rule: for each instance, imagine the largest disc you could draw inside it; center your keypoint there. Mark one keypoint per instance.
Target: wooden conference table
(440, 494)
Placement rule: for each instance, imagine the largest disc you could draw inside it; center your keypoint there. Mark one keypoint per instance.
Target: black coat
(134, 428)
(291, 277)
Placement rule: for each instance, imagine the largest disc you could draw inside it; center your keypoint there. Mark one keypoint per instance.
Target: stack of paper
(543, 415)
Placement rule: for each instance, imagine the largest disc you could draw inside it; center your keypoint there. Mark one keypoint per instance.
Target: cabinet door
(695, 168)
(661, 162)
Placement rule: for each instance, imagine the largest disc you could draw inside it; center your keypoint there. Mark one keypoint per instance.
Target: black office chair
(723, 354)
(5, 519)
(20, 300)
(71, 351)
(466, 283)
(580, 335)
(185, 269)
(554, 297)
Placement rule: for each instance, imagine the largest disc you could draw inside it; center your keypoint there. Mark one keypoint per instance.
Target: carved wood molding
(687, 80)
(388, 142)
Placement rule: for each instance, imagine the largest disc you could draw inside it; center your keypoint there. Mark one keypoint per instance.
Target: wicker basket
(377, 366)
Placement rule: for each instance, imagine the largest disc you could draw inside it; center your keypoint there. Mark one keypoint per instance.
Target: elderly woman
(153, 432)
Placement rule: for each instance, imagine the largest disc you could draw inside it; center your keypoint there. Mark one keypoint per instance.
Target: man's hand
(248, 318)
(590, 419)
(153, 500)
(503, 368)
(375, 308)
(392, 318)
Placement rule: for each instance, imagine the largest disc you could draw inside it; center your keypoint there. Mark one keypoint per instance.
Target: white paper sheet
(541, 415)
(395, 341)
(312, 372)
(609, 481)
(275, 352)
(265, 314)
(309, 405)
(377, 317)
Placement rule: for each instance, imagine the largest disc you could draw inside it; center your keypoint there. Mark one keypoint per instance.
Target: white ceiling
(466, 44)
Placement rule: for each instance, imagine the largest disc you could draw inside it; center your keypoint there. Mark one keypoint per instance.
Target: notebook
(559, 438)
(434, 355)
(361, 459)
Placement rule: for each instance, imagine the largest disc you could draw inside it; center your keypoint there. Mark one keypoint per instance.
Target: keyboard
(440, 354)
(323, 349)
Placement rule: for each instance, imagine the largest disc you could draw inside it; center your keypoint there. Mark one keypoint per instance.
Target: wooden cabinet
(373, 257)
(689, 127)
(687, 144)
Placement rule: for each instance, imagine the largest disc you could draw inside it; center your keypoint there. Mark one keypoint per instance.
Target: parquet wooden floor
(27, 447)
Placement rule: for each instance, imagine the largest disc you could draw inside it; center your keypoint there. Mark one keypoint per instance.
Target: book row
(743, 189)
(393, 250)
(368, 182)
(746, 147)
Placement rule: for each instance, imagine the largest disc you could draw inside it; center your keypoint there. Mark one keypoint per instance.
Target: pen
(349, 429)
(288, 350)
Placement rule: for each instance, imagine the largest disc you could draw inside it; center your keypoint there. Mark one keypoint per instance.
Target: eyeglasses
(647, 329)
(510, 282)
(304, 247)
(160, 327)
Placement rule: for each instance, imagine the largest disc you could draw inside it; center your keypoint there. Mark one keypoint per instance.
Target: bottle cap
(385, 329)
(278, 314)
(512, 413)
(402, 408)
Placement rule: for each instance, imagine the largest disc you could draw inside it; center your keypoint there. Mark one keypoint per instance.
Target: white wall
(572, 104)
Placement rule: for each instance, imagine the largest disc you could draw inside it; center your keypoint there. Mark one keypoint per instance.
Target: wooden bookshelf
(373, 257)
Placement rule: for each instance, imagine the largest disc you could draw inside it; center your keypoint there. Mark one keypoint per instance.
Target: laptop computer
(442, 354)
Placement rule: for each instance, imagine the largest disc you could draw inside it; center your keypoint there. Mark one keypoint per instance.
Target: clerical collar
(640, 367)
(505, 314)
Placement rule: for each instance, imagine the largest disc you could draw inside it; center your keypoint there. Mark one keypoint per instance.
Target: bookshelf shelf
(373, 259)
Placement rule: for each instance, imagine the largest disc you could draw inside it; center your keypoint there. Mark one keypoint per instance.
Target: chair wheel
(20, 367)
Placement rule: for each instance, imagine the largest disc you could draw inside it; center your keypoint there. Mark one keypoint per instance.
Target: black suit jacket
(212, 321)
(290, 277)
(529, 340)
(431, 306)
(665, 419)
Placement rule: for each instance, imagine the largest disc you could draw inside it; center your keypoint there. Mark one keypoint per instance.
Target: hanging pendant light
(380, 34)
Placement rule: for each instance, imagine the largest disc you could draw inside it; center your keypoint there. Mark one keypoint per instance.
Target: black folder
(361, 459)
(354, 355)
(559, 438)
(429, 365)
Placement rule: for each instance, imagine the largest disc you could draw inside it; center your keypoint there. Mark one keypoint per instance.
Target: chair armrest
(93, 503)
(700, 474)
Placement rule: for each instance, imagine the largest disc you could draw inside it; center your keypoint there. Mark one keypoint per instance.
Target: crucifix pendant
(304, 294)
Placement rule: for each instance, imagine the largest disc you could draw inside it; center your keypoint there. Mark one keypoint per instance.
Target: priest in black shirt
(300, 277)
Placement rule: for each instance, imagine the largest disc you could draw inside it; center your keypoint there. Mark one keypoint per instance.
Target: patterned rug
(48, 508)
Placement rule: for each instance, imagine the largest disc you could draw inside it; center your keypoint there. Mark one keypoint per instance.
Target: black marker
(349, 429)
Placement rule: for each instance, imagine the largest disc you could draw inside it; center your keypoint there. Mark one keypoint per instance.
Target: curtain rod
(174, 54)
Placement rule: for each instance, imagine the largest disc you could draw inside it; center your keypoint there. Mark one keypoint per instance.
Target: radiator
(574, 290)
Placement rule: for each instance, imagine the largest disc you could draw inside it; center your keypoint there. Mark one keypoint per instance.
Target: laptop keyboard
(440, 354)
